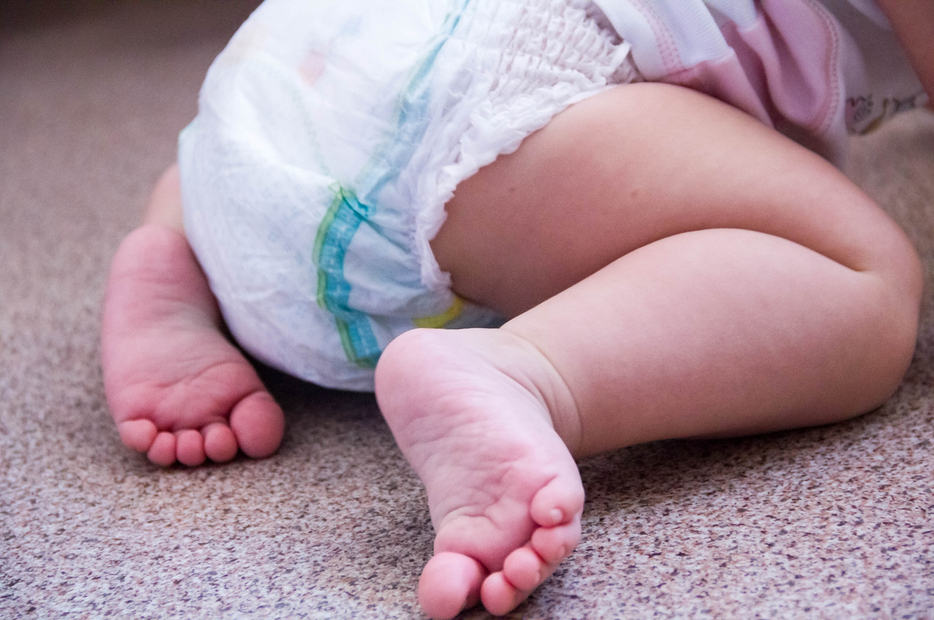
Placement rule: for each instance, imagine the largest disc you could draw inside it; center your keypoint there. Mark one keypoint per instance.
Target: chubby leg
(177, 388)
(674, 269)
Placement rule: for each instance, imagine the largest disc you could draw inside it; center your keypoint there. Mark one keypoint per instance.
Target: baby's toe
(525, 570)
(527, 567)
(258, 424)
(220, 444)
(560, 501)
(189, 447)
(553, 544)
(500, 596)
(162, 451)
(450, 583)
(137, 434)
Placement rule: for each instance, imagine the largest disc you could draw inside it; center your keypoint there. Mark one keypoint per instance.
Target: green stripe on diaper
(347, 213)
(341, 222)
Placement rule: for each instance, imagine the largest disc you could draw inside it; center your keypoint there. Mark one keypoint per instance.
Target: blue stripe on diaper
(347, 213)
(342, 221)
(411, 119)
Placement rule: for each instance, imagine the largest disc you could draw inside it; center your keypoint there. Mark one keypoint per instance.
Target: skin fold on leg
(674, 269)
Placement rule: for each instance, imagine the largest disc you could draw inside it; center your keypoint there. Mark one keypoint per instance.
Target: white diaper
(329, 136)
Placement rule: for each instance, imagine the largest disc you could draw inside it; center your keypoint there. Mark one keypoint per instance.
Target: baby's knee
(900, 291)
(907, 281)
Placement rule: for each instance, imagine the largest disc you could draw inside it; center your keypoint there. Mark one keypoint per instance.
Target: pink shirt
(816, 70)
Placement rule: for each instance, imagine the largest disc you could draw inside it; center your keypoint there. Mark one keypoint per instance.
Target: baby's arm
(913, 21)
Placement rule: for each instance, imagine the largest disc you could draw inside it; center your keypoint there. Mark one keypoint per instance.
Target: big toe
(258, 424)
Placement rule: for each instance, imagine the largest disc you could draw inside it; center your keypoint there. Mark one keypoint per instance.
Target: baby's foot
(178, 390)
(504, 492)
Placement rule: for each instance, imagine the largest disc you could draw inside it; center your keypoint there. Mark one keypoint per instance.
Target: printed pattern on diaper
(348, 212)
(337, 230)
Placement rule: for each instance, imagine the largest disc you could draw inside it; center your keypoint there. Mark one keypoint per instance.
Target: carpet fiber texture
(834, 522)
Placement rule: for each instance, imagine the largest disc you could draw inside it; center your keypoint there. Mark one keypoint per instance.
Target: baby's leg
(177, 388)
(675, 269)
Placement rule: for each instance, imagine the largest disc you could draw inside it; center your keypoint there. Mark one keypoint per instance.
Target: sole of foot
(504, 492)
(177, 388)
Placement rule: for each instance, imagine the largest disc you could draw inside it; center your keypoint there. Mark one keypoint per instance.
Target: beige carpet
(824, 523)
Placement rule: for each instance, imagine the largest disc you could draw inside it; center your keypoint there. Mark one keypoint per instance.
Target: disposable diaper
(329, 136)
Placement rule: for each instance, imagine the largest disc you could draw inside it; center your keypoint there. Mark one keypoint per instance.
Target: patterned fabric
(815, 70)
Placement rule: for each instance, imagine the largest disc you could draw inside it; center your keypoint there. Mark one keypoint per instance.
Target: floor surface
(830, 522)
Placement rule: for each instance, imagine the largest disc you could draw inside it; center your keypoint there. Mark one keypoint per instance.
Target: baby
(612, 201)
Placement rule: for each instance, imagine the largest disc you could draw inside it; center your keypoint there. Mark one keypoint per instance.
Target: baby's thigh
(636, 164)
